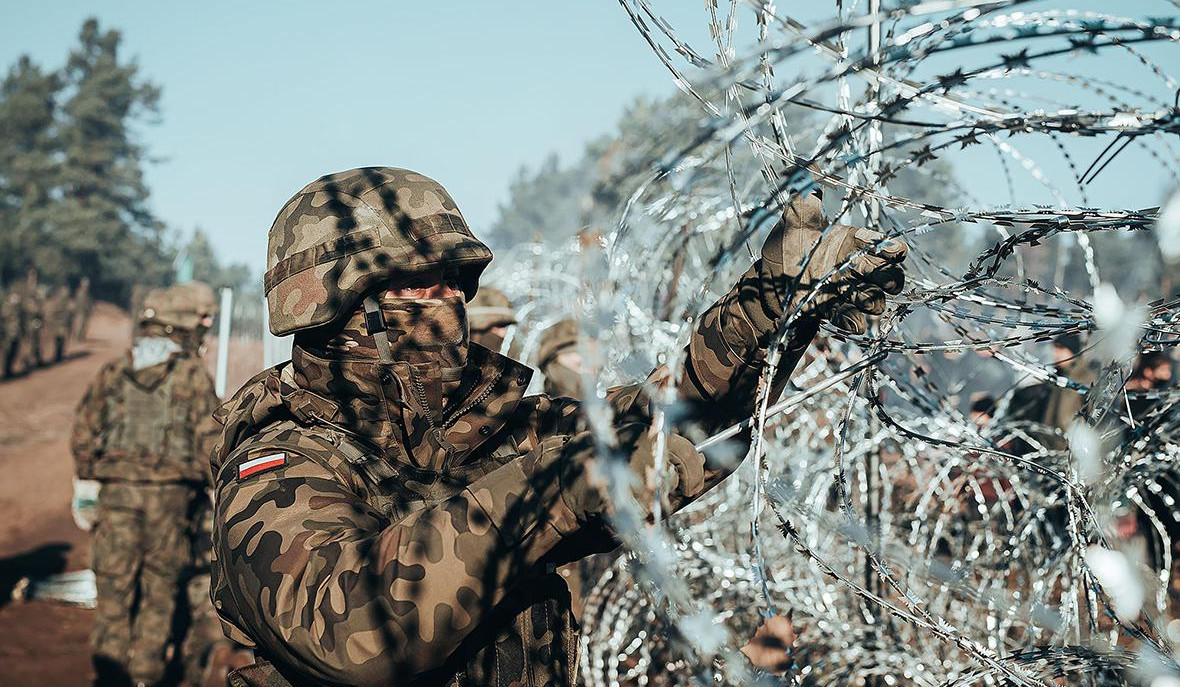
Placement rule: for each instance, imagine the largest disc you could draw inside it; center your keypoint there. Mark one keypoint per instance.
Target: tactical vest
(530, 640)
(150, 433)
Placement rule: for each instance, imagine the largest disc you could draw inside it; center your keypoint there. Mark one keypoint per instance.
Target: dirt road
(47, 644)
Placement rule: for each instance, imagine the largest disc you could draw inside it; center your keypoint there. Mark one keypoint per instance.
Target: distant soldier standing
(9, 331)
(82, 307)
(143, 432)
(58, 316)
(491, 317)
(32, 321)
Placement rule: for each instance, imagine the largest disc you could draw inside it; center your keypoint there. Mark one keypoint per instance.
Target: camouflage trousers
(140, 551)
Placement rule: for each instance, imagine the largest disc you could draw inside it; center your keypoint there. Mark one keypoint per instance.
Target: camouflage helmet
(347, 233)
(490, 308)
(556, 339)
(179, 307)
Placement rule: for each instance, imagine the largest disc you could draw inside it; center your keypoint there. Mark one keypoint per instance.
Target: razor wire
(914, 539)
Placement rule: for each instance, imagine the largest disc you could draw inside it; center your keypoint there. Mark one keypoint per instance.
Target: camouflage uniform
(59, 314)
(9, 331)
(559, 379)
(144, 432)
(491, 316)
(32, 322)
(83, 306)
(361, 537)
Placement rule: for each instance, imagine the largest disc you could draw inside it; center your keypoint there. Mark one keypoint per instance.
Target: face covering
(425, 340)
(149, 351)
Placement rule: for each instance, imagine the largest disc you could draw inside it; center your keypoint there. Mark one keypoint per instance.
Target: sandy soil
(47, 644)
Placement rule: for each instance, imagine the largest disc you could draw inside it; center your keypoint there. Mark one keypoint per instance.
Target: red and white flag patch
(261, 463)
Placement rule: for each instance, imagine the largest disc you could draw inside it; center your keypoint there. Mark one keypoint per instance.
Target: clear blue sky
(261, 97)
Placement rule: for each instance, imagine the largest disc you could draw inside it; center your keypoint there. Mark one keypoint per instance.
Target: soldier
(389, 504)
(59, 314)
(144, 432)
(560, 360)
(9, 331)
(82, 308)
(491, 316)
(32, 321)
(205, 652)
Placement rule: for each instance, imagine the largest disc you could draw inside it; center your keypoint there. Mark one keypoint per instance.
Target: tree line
(73, 201)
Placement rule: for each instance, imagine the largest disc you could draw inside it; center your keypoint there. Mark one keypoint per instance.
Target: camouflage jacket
(9, 318)
(58, 313)
(345, 558)
(149, 425)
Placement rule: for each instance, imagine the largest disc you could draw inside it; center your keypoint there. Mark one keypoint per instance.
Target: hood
(360, 398)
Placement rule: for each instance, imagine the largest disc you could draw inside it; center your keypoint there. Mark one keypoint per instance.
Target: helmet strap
(375, 324)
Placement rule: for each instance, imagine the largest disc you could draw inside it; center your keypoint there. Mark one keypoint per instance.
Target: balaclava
(425, 340)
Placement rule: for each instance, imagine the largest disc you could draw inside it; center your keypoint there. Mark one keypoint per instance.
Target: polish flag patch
(261, 463)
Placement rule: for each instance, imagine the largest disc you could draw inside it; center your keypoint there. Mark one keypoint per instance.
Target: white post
(227, 304)
(268, 353)
(275, 349)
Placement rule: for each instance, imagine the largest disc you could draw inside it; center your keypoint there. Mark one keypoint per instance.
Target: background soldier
(560, 361)
(491, 315)
(389, 503)
(58, 316)
(32, 321)
(83, 306)
(9, 331)
(143, 432)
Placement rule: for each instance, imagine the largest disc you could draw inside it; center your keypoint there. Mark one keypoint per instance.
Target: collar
(366, 399)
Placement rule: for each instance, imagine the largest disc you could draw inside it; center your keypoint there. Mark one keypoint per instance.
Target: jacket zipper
(526, 637)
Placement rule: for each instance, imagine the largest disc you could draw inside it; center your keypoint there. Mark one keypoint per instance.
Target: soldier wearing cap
(141, 440)
(390, 504)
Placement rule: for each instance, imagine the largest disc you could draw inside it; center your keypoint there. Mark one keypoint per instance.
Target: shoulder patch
(261, 464)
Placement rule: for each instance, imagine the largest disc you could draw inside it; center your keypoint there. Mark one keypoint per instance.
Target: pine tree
(208, 269)
(28, 165)
(103, 225)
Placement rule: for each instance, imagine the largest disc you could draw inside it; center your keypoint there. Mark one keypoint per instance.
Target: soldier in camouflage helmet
(59, 313)
(83, 305)
(32, 304)
(490, 315)
(390, 504)
(9, 331)
(144, 432)
(560, 361)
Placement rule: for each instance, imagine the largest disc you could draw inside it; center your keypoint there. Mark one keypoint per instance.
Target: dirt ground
(47, 644)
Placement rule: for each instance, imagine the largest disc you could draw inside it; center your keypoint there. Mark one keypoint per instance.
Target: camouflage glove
(557, 472)
(683, 476)
(847, 296)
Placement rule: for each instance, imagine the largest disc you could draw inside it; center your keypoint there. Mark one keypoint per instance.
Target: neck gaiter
(428, 341)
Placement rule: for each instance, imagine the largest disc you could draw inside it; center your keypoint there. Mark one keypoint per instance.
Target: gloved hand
(84, 505)
(846, 297)
(560, 472)
(683, 476)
